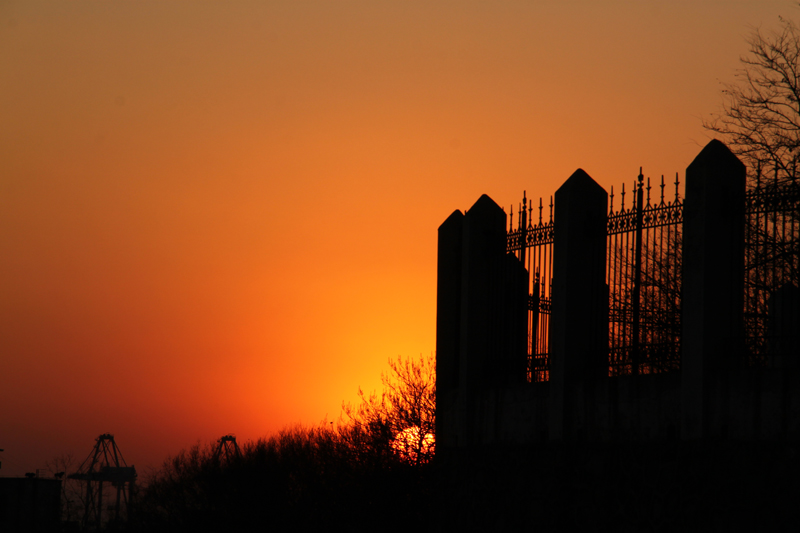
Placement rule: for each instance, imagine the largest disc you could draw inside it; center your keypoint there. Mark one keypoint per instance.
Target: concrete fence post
(579, 320)
(712, 288)
(481, 329)
(448, 328)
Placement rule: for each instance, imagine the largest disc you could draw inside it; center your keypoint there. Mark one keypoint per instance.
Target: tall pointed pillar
(712, 287)
(448, 329)
(579, 320)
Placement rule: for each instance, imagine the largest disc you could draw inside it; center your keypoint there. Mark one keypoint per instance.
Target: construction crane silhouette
(105, 465)
(227, 450)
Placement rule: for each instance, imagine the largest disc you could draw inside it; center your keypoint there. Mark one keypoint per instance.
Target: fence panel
(643, 276)
(772, 246)
(643, 273)
(533, 245)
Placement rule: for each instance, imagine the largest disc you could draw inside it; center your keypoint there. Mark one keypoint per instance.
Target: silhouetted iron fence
(693, 282)
(533, 245)
(643, 273)
(772, 243)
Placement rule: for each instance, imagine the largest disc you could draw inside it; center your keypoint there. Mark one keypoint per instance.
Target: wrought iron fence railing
(643, 273)
(533, 245)
(772, 246)
(643, 276)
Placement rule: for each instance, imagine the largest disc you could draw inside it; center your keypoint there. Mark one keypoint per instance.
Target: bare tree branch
(760, 115)
(401, 419)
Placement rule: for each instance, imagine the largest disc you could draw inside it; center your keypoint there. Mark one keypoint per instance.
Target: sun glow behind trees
(413, 446)
(403, 416)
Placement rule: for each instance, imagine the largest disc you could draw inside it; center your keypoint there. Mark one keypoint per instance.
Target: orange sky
(220, 217)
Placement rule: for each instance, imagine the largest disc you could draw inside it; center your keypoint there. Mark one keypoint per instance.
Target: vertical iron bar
(637, 274)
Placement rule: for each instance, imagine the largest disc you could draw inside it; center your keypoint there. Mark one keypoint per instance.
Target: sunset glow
(221, 217)
(412, 446)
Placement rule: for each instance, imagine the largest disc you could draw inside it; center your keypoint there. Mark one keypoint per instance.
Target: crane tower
(105, 465)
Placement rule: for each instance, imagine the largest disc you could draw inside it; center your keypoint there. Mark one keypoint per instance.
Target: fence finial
(611, 208)
(540, 210)
(662, 190)
(640, 184)
(530, 213)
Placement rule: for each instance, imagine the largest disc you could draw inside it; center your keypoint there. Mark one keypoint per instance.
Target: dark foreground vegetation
(369, 470)
(300, 479)
(312, 479)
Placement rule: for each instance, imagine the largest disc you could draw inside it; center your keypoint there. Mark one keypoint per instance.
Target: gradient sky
(220, 217)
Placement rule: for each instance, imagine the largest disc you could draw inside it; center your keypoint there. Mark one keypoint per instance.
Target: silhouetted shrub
(402, 419)
(299, 479)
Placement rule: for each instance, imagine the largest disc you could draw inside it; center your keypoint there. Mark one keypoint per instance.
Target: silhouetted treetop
(760, 116)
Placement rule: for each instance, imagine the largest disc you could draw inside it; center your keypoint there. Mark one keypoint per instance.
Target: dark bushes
(299, 479)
